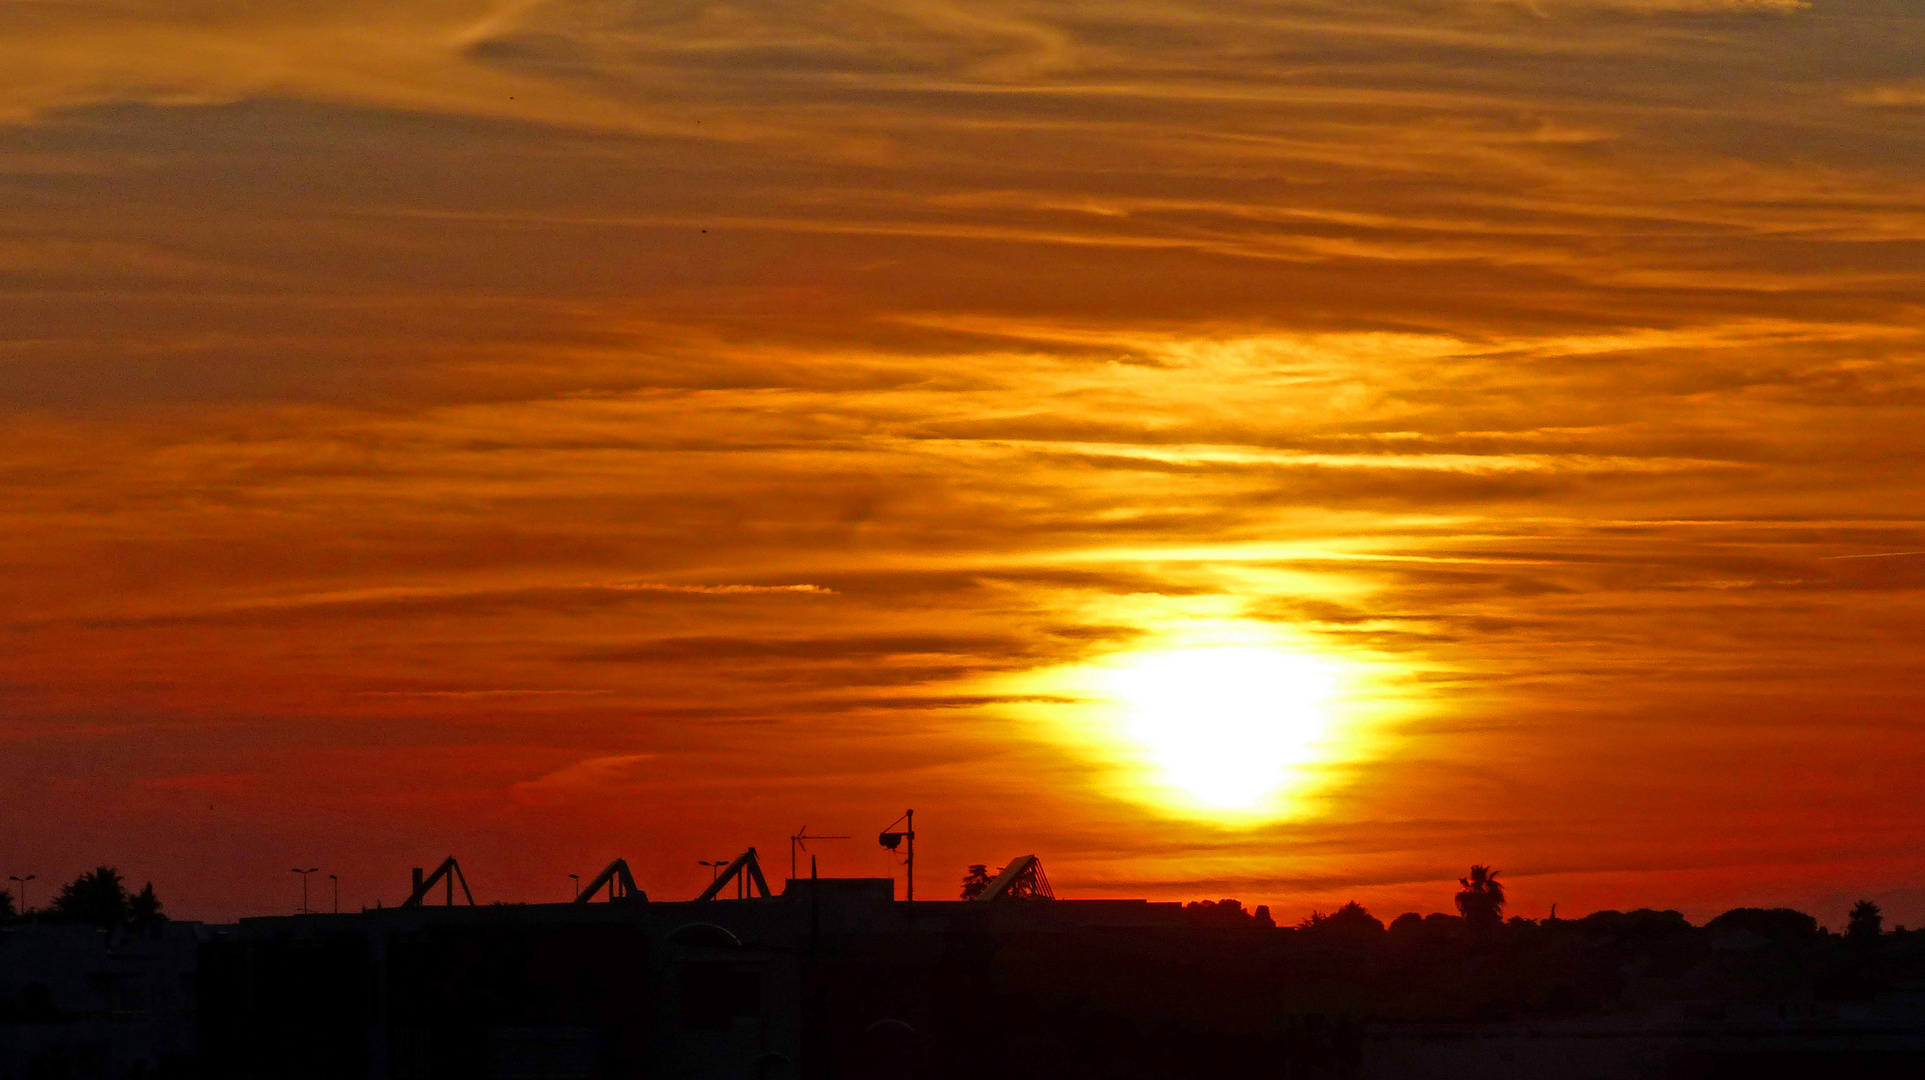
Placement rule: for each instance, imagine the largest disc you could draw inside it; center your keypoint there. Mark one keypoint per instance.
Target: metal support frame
(1022, 879)
(621, 884)
(746, 872)
(449, 872)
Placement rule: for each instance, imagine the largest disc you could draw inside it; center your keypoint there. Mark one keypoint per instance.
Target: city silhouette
(1382, 539)
(843, 977)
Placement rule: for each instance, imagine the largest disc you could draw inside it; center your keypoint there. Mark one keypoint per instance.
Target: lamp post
(577, 879)
(22, 882)
(337, 893)
(715, 867)
(304, 874)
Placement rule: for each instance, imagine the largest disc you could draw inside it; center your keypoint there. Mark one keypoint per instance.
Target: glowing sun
(1224, 728)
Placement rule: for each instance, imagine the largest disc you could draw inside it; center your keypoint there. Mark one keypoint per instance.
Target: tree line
(1480, 912)
(99, 896)
(1480, 904)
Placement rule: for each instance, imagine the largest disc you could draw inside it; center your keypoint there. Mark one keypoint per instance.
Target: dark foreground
(840, 980)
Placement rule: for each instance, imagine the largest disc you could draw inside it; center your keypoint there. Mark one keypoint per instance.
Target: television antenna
(801, 840)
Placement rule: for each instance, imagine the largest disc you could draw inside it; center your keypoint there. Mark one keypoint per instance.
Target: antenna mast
(801, 840)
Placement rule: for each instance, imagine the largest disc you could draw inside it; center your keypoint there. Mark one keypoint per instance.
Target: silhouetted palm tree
(100, 896)
(1867, 922)
(96, 896)
(1481, 902)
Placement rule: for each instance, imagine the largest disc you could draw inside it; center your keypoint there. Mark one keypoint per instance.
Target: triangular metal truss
(1022, 879)
(621, 884)
(448, 872)
(745, 871)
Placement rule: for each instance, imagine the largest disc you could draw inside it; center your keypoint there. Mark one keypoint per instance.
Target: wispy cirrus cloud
(625, 423)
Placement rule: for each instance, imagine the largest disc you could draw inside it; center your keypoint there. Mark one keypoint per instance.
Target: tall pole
(892, 840)
(577, 879)
(337, 893)
(22, 882)
(304, 874)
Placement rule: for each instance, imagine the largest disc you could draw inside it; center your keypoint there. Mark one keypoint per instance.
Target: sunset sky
(1281, 450)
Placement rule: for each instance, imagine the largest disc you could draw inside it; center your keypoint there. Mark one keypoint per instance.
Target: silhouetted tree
(1350, 920)
(7, 912)
(1867, 922)
(1770, 924)
(976, 881)
(99, 896)
(1440, 923)
(1227, 913)
(145, 906)
(1481, 902)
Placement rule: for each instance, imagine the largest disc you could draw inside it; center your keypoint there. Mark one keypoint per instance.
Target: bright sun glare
(1226, 728)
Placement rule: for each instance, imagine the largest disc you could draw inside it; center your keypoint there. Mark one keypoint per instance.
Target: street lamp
(715, 868)
(337, 893)
(22, 882)
(577, 879)
(304, 874)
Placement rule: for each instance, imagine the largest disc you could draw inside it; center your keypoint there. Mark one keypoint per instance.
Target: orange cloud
(550, 432)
